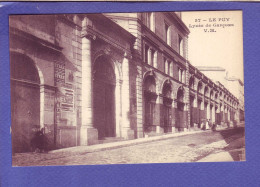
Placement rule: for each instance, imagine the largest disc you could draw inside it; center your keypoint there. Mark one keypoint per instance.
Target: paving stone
(172, 150)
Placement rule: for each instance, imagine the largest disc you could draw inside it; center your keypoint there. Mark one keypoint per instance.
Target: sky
(216, 39)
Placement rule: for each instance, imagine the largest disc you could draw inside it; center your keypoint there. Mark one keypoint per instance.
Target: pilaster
(88, 134)
(139, 102)
(127, 132)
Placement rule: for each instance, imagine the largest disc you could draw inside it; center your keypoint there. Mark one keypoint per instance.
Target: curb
(125, 143)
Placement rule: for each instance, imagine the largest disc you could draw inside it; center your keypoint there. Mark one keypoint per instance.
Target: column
(229, 114)
(118, 100)
(158, 115)
(217, 111)
(88, 134)
(127, 133)
(174, 109)
(208, 110)
(214, 114)
(185, 52)
(222, 113)
(202, 112)
(42, 106)
(139, 102)
(195, 111)
(187, 106)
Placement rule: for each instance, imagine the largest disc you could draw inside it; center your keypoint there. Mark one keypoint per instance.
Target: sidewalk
(118, 144)
(218, 157)
(22, 159)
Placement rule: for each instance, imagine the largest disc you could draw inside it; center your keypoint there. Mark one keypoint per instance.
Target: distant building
(234, 85)
(214, 73)
(84, 78)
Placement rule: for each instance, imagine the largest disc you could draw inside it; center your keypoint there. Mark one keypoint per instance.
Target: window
(146, 50)
(155, 59)
(165, 66)
(150, 56)
(168, 67)
(181, 75)
(180, 45)
(171, 68)
(150, 19)
(167, 34)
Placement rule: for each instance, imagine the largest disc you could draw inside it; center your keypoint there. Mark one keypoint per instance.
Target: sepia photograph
(127, 88)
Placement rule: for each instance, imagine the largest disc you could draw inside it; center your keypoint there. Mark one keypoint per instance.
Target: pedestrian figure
(39, 141)
(207, 124)
(204, 125)
(214, 127)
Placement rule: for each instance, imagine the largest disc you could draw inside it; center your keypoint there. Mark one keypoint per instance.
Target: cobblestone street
(187, 148)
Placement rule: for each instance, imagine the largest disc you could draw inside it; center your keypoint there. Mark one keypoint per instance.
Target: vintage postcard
(127, 88)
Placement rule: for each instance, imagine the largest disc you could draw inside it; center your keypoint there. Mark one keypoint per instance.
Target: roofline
(110, 23)
(179, 20)
(210, 68)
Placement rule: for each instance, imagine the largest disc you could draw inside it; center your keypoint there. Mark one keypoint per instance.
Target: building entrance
(104, 98)
(167, 109)
(180, 109)
(25, 102)
(192, 111)
(150, 97)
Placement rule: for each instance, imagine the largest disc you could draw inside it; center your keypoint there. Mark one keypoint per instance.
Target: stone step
(110, 139)
(151, 134)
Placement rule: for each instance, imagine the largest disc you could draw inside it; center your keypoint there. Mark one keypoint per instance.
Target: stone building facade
(86, 78)
(235, 85)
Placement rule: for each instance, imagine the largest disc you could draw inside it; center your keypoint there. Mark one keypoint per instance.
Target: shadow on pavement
(235, 138)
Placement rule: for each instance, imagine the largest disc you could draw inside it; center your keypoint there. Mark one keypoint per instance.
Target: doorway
(150, 97)
(167, 109)
(104, 98)
(25, 101)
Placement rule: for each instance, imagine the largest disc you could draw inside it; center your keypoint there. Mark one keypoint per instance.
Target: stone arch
(27, 100)
(107, 81)
(105, 61)
(167, 83)
(113, 62)
(150, 98)
(149, 84)
(180, 94)
(21, 53)
(116, 62)
(166, 109)
(180, 114)
(151, 73)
